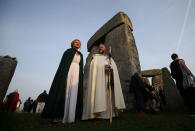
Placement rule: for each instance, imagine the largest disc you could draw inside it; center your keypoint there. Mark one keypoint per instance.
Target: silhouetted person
(34, 106)
(27, 105)
(150, 97)
(184, 81)
(40, 102)
(31, 105)
(11, 101)
(137, 86)
(162, 97)
(42, 97)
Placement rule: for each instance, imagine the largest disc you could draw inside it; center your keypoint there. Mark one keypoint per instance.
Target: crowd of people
(37, 105)
(147, 97)
(103, 98)
(153, 98)
(12, 103)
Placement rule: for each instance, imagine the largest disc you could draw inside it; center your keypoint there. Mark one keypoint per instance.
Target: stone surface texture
(7, 69)
(117, 33)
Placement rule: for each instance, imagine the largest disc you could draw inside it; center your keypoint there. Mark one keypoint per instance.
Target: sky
(37, 32)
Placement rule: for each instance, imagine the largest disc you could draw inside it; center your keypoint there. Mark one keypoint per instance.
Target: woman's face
(76, 44)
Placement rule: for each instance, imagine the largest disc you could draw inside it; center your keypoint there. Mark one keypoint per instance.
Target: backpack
(176, 71)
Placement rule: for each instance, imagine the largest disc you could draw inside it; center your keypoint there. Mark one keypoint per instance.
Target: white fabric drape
(96, 100)
(71, 91)
(106, 114)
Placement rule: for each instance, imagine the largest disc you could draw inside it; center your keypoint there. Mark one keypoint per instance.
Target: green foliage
(127, 121)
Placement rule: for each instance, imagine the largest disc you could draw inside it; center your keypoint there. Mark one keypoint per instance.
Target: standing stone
(125, 54)
(7, 69)
(156, 75)
(146, 80)
(162, 77)
(157, 81)
(117, 33)
(173, 98)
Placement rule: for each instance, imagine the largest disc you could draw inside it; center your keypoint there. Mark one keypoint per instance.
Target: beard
(101, 51)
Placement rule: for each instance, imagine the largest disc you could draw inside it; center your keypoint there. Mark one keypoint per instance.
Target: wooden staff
(109, 85)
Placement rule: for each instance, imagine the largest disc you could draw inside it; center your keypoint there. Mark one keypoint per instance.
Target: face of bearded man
(102, 49)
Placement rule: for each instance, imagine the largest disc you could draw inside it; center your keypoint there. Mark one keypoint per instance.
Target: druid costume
(96, 103)
(65, 99)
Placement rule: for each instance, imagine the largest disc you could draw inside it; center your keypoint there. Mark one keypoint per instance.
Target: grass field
(128, 121)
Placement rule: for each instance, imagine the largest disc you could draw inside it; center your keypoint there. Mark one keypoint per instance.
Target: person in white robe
(96, 102)
(64, 103)
(40, 106)
(71, 91)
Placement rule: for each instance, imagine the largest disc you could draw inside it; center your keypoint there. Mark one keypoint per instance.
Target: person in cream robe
(96, 102)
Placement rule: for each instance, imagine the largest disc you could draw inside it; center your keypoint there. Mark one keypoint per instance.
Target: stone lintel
(151, 73)
(115, 21)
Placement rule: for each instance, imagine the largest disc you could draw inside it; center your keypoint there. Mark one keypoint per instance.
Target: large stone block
(157, 81)
(119, 19)
(7, 69)
(151, 73)
(125, 54)
(173, 97)
(117, 33)
(146, 80)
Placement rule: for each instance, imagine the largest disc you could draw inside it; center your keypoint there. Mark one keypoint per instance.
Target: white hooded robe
(95, 102)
